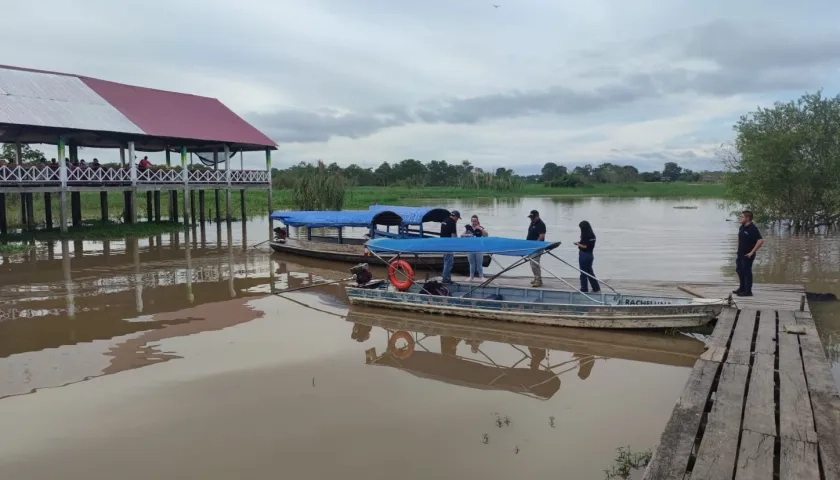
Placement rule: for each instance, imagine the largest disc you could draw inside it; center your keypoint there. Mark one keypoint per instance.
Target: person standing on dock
(449, 228)
(536, 231)
(749, 241)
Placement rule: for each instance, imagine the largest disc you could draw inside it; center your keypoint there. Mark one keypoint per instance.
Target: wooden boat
(324, 234)
(541, 306)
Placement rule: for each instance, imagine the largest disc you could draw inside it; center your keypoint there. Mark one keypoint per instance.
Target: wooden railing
(22, 177)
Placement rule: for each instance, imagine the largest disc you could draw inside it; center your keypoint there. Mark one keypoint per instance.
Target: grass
(627, 462)
(8, 249)
(362, 197)
(97, 231)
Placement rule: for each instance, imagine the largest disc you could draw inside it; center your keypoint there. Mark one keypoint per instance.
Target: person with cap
(449, 228)
(536, 231)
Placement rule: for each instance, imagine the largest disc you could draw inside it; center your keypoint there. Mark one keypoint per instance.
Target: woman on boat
(474, 229)
(586, 258)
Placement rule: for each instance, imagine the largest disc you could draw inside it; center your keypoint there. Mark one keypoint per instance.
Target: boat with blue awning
(341, 235)
(543, 306)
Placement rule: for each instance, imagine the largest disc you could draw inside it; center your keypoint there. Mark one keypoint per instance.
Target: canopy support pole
(588, 275)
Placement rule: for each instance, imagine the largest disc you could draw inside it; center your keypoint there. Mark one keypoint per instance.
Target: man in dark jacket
(449, 228)
(536, 231)
(749, 241)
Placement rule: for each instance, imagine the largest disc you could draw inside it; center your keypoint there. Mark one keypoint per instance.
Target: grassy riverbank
(9, 249)
(89, 231)
(362, 197)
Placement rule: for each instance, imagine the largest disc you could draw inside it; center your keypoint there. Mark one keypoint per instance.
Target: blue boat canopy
(415, 215)
(340, 218)
(487, 245)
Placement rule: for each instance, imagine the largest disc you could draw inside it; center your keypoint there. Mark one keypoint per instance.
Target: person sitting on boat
(586, 258)
(536, 231)
(449, 228)
(474, 229)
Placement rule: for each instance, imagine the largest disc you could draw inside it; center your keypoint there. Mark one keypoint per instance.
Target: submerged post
(157, 205)
(172, 214)
(268, 169)
(185, 175)
(227, 181)
(62, 175)
(103, 205)
(133, 173)
(48, 220)
(216, 191)
(4, 227)
(201, 218)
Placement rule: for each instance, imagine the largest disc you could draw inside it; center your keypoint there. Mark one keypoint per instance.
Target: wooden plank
(740, 347)
(765, 341)
(677, 441)
(827, 415)
(716, 456)
(798, 461)
(760, 414)
(755, 456)
(796, 421)
(723, 329)
(817, 369)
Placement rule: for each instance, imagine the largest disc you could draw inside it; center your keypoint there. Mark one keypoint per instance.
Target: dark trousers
(743, 266)
(586, 259)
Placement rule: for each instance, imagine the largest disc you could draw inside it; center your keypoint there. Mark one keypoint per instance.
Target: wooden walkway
(760, 403)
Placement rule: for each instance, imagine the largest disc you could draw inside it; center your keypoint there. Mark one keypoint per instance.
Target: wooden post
(242, 205)
(185, 174)
(103, 205)
(201, 218)
(172, 205)
(76, 208)
(216, 191)
(157, 205)
(128, 206)
(23, 216)
(268, 169)
(227, 181)
(149, 207)
(30, 211)
(48, 210)
(173, 195)
(4, 226)
(62, 175)
(133, 173)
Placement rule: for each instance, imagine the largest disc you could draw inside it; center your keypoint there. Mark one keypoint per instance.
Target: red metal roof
(163, 114)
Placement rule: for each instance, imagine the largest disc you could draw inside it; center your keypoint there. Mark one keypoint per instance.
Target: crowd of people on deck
(144, 164)
(749, 242)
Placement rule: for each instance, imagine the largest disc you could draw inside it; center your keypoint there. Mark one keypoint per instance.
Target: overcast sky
(365, 81)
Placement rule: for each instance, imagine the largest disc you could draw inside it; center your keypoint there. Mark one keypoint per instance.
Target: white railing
(28, 175)
(88, 176)
(159, 176)
(17, 176)
(205, 177)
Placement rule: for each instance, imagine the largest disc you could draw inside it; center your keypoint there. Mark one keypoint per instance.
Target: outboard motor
(362, 274)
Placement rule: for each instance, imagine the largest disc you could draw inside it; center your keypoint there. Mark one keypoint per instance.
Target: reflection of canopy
(459, 371)
(415, 215)
(488, 245)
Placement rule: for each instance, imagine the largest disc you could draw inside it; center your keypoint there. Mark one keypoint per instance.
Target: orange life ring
(401, 353)
(405, 284)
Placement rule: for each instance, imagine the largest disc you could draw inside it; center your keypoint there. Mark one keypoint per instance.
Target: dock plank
(798, 461)
(716, 456)
(740, 348)
(760, 414)
(765, 340)
(796, 420)
(827, 415)
(670, 460)
(755, 456)
(723, 329)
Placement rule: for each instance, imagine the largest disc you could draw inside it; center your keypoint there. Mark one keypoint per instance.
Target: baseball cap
(533, 213)
(456, 213)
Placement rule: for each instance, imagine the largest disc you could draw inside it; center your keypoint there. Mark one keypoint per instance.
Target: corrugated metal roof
(59, 101)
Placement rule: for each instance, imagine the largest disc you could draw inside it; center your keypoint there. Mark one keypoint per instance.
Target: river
(168, 357)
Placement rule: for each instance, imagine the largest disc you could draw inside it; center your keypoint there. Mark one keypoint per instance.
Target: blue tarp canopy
(341, 218)
(488, 245)
(414, 215)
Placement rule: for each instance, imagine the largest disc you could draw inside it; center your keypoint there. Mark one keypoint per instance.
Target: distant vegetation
(785, 164)
(318, 189)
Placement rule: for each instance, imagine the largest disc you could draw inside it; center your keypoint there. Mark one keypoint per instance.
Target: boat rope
(588, 275)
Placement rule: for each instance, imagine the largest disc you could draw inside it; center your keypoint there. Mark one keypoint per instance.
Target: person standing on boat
(586, 257)
(474, 229)
(536, 231)
(749, 241)
(449, 228)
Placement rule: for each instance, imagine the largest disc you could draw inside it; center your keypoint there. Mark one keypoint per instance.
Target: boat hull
(355, 254)
(637, 314)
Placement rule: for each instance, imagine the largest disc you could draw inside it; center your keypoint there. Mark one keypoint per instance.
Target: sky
(518, 85)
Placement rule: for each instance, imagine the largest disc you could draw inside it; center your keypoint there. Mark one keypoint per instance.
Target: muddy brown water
(168, 357)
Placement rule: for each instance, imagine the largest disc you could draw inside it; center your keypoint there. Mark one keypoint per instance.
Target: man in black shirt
(536, 231)
(749, 241)
(449, 228)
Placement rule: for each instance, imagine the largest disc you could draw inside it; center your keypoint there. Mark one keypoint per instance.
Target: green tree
(318, 189)
(671, 171)
(28, 154)
(551, 171)
(785, 166)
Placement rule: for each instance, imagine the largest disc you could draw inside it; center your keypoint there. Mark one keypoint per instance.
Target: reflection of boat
(642, 346)
(325, 234)
(542, 306)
